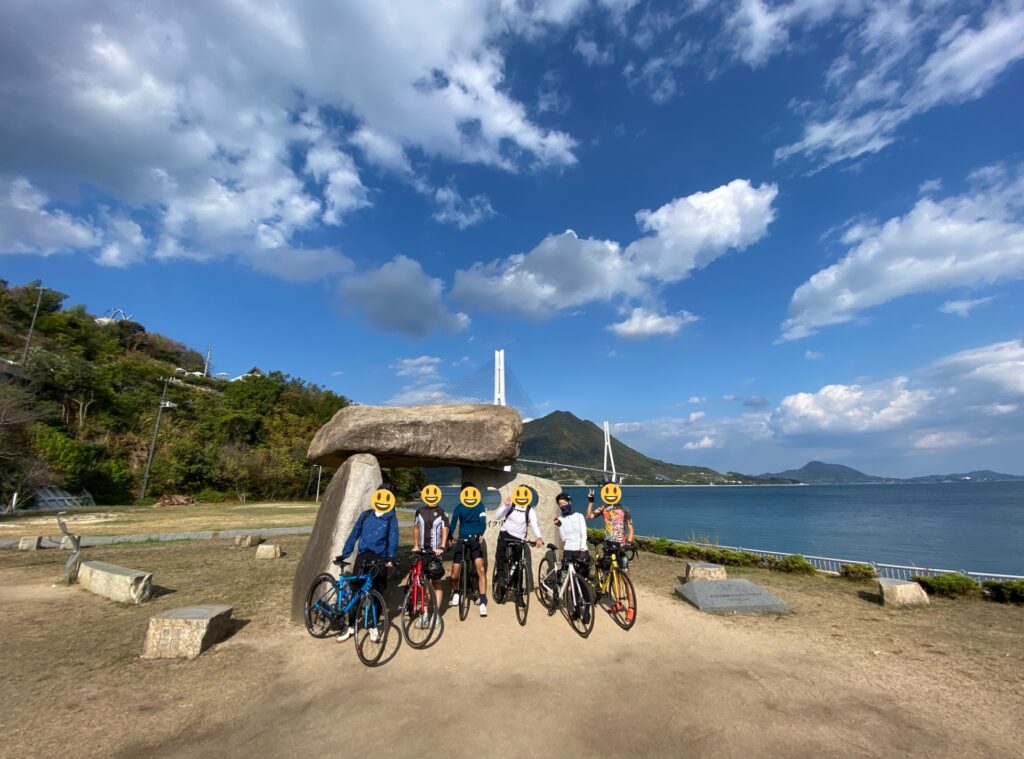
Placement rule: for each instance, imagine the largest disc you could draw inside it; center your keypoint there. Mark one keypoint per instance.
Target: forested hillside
(79, 414)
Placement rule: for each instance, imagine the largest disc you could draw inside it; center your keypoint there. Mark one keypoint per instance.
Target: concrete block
(268, 551)
(129, 586)
(30, 544)
(702, 570)
(900, 593)
(186, 633)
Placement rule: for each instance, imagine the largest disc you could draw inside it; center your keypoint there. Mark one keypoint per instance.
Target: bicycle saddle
(552, 546)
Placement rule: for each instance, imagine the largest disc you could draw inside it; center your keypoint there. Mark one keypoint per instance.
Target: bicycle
(516, 579)
(330, 600)
(572, 590)
(614, 588)
(467, 584)
(419, 607)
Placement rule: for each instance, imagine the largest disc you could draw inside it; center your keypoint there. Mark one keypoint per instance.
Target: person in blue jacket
(377, 533)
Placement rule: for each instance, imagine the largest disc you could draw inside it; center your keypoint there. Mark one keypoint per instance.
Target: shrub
(1005, 591)
(953, 585)
(208, 495)
(795, 564)
(857, 571)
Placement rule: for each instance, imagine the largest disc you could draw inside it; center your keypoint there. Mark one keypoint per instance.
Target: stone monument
(185, 633)
(900, 593)
(730, 597)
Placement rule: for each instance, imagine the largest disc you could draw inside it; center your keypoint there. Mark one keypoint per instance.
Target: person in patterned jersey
(618, 522)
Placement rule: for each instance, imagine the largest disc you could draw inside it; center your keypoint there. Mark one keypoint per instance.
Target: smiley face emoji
(522, 497)
(611, 493)
(383, 501)
(470, 496)
(431, 495)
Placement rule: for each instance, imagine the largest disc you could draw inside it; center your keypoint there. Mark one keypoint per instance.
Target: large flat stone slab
(186, 633)
(33, 543)
(471, 435)
(730, 597)
(346, 497)
(900, 593)
(702, 570)
(128, 586)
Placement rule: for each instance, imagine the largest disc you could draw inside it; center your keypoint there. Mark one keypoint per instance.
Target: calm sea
(976, 526)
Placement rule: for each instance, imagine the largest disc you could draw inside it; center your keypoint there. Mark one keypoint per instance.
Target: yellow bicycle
(614, 588)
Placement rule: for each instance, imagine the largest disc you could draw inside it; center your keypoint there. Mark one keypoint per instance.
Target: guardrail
(831, 564)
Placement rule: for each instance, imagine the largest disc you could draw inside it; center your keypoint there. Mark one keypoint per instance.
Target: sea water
(974, 526)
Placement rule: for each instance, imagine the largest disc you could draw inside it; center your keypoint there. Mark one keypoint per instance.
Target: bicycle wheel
(580, 606)
(623, 600)
(418, 614)
(372, 626)
(320, 612)
(464, 589)
(548, 581)
(522, 595)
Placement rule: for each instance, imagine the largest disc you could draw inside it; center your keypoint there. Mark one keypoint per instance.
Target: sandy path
(679, 683)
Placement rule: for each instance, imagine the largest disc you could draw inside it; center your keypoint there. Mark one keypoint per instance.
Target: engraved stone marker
(185, 633)
(702, 570)
(730, 596)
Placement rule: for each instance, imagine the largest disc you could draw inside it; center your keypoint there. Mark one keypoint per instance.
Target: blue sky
(797, 228)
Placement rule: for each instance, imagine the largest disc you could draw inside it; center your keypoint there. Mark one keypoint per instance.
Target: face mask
(566, 509)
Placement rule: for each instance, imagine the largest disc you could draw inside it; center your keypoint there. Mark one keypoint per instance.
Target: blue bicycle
(330, 602)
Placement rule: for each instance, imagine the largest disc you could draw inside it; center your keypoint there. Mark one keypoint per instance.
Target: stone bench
(900, 593)
(702, 570)
(30, 544)
(129, 586)
(186, 633)
(268, 551)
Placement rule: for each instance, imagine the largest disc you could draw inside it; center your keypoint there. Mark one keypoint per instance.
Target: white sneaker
(374, 635)
(483, 610)
(347, 633)
(423, 622)
(455, 600)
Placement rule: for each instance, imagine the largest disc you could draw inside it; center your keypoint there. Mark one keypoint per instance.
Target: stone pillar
(346, 497)
(544, 506)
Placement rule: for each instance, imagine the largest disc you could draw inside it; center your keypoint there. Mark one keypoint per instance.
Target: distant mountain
(565, 438)
(820, 473)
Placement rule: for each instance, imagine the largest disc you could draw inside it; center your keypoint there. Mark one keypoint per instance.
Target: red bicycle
(419, 612)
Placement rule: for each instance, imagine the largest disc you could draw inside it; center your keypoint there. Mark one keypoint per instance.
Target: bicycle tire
(522, 596)
(464, 589)
(411, 616)
(368, 650)
(545, 593)
(323, 592)
(623, 600)
(581, 618)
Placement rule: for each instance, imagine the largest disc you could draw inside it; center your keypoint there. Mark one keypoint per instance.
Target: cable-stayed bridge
(494, 383)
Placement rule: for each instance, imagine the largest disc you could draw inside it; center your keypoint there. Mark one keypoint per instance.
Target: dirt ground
(841, 676)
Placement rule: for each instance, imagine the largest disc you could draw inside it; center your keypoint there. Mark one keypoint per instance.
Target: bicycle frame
(417, 581)
(468, 567)
(355, 595)
(570, 574)
(612, 571)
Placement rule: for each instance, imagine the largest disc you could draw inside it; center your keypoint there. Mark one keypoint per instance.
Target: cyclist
(517, 511)
(377, 533)
(430, 533)
(572, 528)
(618, 523)
(471, 520)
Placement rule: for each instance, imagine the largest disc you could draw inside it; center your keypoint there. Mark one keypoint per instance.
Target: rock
(543, 505)
(67, 544)
(268, 551)
(128, 586)
(702, 570)
(470, 435)
(346, 497)
(900, 593)
(730, 597)
(185, 633)
(247, 541)
(30, 544)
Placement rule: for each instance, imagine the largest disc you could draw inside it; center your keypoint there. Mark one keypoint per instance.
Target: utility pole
(164, 403)
(32, 326)
(206, 366)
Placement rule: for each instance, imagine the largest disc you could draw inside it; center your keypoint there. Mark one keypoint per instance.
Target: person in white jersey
(519, 514)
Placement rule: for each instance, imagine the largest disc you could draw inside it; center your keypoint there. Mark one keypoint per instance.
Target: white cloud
(705, 442)
(592, 53)
(400, 296)
(124, 245)
(421, 368)
(963, 308)
(452, 208)
(947, 439)
(729, 397)
(810, 355)
(549, 97)
(851, 408)
(696, 416)
(343, 190)
(999, 366)
(698, 399)
(643, 323)
(30, 224)
(968, 240)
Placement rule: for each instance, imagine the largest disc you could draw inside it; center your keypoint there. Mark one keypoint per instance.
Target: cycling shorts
(475, 548)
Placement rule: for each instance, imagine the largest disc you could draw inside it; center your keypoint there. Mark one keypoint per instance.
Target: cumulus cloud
(851, 408)
(963, 308)
(705, 442)
(453, 208)
(29, 223)
(947, 439)
(971, 239)
(998, 367)
(420, 368)
(400, 296)
(698, 399)
(643, 323)
(592, 53)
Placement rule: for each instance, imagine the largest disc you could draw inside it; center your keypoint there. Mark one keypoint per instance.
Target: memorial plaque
(730, 596)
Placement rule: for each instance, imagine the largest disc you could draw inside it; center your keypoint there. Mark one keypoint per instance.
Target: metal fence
(830, 564)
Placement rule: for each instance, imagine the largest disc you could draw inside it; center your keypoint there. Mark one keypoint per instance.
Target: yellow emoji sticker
(522, 496)
(611, 493)
(431, 495)
(383, 501)
(470, 496)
